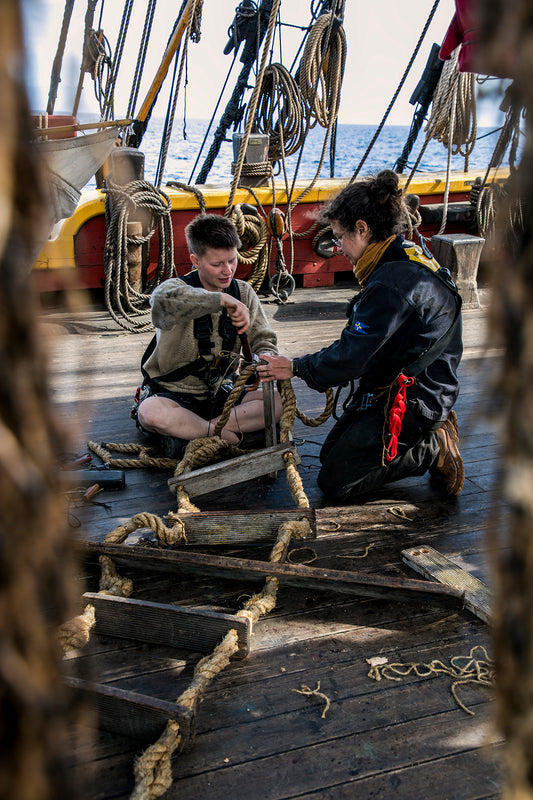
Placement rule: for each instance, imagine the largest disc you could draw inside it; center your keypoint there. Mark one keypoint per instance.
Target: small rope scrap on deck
(315, 693)
(475, 668)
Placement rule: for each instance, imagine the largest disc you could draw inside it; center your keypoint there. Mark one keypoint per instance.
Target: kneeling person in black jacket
(403, 345)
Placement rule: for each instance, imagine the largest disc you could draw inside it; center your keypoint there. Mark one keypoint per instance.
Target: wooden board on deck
(316, 578)
(173, 626)
(132, 714)
(234, 470)
(429, 562)
(240, 527)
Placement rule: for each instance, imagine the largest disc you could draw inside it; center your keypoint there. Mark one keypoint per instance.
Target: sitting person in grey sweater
(201, 321)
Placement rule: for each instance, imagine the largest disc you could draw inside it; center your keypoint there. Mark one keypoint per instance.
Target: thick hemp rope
(127, 306)
(74, 634)
(153, 769)
(253, 233)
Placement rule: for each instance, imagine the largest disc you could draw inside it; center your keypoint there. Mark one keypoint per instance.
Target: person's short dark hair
(377, 200)
(211, 230)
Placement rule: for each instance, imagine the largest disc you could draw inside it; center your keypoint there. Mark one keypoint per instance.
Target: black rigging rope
(145, 38)
(108, 110)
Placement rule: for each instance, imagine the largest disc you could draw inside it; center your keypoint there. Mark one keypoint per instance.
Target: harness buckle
(366, 401)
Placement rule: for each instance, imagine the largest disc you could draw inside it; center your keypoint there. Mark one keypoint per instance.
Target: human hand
(238, 312)
(277, 368)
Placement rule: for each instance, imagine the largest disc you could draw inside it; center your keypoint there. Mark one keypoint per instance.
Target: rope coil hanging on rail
(138, 199)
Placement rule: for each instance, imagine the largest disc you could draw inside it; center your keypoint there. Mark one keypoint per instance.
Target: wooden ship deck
(257, 734)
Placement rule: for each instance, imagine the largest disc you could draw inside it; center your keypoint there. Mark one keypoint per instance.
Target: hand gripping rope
(396, 414)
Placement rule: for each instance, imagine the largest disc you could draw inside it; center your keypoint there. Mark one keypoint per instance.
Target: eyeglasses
(337, 241)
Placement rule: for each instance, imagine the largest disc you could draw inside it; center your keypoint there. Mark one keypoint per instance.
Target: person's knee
(147, 414)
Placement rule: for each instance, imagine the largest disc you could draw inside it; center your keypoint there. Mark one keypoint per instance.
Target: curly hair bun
(386, 186)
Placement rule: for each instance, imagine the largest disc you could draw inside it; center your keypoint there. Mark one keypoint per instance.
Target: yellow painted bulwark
(58, 252)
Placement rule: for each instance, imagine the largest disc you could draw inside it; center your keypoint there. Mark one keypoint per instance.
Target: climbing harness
(212, 368)
(407, 377)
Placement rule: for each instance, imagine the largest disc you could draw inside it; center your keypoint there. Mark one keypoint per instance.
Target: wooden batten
(429, 562)
(317, 579)
(234, 470)
(135, 715)
(168, 625)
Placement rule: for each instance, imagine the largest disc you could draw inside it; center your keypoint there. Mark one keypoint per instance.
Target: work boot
(449, 471)
(172, 447)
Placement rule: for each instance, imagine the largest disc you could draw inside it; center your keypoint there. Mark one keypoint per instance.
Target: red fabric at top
(462, 30)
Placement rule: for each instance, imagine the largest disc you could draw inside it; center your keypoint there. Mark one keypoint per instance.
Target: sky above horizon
(381, 37)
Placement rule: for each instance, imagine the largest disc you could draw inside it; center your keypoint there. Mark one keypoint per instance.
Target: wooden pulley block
(276, 223)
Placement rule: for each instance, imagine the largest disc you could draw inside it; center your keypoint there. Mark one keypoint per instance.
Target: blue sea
(186, 157)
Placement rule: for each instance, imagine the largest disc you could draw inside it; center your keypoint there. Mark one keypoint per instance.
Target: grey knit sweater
(175, 305)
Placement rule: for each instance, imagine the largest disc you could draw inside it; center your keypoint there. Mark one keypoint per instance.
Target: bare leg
(164, 416)
(248, 416)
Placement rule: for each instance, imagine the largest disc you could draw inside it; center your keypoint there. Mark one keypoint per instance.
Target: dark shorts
(205, 407)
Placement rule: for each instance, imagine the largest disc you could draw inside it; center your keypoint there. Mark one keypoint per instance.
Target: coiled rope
(320, 80)
(253, 233)
(321, 71)
(280, 112)
(453, 121)
(485, 196)
(137, 199)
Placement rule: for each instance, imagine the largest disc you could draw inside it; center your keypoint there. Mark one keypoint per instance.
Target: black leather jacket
(403, 309)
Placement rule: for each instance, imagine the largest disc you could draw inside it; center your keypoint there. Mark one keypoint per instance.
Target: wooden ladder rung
(241, 527)
(173, 626)
(234, 470)
(429, 562)
(132, 714)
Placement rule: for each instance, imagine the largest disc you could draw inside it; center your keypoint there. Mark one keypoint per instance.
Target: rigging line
(139, 67)
(252, 104)
(167, 127)
(55, 77)
(397, 92)
(119, 49)
(213, 115)
(234, 108)
(170, 117)
(101, 14)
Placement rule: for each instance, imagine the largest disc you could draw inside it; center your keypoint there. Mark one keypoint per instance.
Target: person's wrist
(294, 368)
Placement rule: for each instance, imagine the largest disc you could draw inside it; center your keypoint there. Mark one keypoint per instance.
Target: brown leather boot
(449, 471)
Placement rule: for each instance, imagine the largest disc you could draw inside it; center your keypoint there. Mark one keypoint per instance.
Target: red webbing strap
(396, 414)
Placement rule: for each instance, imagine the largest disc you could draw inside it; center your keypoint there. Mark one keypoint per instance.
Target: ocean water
(186, 157)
